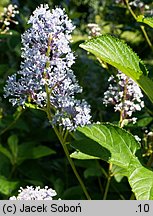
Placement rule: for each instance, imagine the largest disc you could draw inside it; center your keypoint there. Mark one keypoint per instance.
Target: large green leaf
(123, 151)
(121, 145)
(117, 53)
(90, 150)
(141, 181)
(146, 20)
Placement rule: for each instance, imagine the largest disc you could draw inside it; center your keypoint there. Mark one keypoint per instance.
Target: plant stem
(71, 163)
(100, 185)
(122, 112)
(62, 138)
(106, 175)
(142, 27)
(130, 9)
(150, 161)
(108, 181)
(146, 36)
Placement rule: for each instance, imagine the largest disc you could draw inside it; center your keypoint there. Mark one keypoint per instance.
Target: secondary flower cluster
(31, 193)
(7, 17)
(124, 94)
(94, 29)
(137, 3)
(46, 73)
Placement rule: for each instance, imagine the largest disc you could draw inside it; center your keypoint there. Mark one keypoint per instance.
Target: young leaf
(117, 53)
(146, 20)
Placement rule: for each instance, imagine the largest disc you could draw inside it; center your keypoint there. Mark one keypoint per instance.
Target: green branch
(142, 27)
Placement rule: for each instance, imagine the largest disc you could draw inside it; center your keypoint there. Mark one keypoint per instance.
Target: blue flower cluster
(47, 61)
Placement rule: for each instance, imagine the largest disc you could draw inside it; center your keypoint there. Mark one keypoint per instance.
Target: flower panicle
(47, 60)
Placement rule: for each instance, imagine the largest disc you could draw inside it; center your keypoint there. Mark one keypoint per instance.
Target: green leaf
(91, 148)
(117, 53)
(41, 151)
(13, 145)
(6, 187)
(6, 152)
(29, 151)
(147, 85)
(4, 165)
(141, 181)
(142, 122)
(121, 146)
(146, 20)
(81, 156)
(92, 172)
(118, 173)
(59, 186)
(123, 151)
